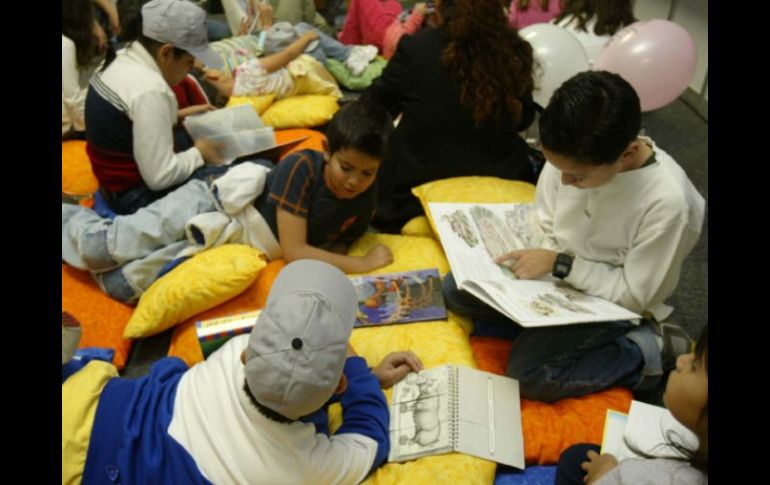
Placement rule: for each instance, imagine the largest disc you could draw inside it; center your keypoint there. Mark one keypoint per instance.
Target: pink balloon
(657, 57)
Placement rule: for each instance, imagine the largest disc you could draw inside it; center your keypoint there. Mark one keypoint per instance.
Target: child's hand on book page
(395, 366)
(597, 465)
(377, 257)
(530, 263)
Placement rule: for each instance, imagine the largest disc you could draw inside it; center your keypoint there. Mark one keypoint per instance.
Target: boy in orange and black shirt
(317, 203)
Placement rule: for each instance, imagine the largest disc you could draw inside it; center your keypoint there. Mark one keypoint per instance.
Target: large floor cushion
(102, 319)
(77, 178)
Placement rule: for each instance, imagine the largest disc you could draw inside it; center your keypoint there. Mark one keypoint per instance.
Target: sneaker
(359, 58)
(673, 341)
(70, 336)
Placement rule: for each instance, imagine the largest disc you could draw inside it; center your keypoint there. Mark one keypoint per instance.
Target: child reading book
(686, 397)
(619, 217)
(311, 206)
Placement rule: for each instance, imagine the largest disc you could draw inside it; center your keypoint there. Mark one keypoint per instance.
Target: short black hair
(591, 118)
(364, 126)
(266, 412)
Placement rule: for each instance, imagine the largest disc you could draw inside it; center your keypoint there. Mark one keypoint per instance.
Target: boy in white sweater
(620, 216)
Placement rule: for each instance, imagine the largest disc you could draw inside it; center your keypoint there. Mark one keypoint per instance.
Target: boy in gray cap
(254, 412)
(130, 109)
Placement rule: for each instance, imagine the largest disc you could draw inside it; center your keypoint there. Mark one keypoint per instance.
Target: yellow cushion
(436, 343)
(259, 103)
(417, 226)
(311, 77)
(77, 178)
(202, 282)
(79, 398)
(301, 111)
(473, 189)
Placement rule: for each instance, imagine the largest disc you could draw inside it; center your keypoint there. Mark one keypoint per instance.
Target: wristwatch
(563, 265)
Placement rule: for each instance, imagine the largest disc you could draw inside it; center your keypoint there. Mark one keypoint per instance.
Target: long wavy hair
(490, 62)
(77, 24)
(611, 15)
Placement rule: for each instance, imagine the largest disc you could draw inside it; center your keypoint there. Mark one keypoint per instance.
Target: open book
(239, 128)
(473, 235)
(411, 296)
(452, 408)
(647, 428)
(213, 333)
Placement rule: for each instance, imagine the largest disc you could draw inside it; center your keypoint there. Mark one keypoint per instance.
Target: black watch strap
(562, 266)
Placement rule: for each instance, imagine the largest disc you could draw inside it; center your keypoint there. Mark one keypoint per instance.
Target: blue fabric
(101, 207)
(129, 440)
(364, 408)
(328, 46)
(83, 357)
(532, 475)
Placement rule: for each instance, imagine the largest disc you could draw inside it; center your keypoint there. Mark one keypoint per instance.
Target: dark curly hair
(77, 24)
(490, 62)
(611, 15)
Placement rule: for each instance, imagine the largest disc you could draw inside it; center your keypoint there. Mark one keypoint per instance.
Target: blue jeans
(552, 363)
(131, 200)
(328, 46)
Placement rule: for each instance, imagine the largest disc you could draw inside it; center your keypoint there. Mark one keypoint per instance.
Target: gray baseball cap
(181, 24)
(297, 349)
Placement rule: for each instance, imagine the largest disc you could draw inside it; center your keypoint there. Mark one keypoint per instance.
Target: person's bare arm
(292, 235)
(278, 60)
(112, 14)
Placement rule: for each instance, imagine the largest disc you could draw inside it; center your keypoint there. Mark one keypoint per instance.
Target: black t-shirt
(297, 186)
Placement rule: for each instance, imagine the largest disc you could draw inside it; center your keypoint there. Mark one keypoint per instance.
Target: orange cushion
(102, 319)
(313, 142)
(76, 175)
(550, 428)
(184, 342)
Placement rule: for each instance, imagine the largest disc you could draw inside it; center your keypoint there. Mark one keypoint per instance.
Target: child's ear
(327, 153)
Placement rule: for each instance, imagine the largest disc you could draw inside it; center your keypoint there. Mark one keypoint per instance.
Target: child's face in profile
(687, 390)
(349, 173)
(581, 175)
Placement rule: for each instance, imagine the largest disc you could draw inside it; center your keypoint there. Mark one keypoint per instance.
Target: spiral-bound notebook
(451, 408)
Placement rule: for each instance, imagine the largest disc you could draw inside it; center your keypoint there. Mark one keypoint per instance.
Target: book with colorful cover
(213, 333)
(410, 296)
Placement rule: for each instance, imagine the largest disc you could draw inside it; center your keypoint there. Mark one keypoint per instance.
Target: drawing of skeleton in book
(461, 226)
(423, 412)
(393, 299)
(522, 222)
(497, 238)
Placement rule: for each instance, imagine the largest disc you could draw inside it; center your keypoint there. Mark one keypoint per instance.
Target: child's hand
(377, 257)
(530, 263)
(395, 366)
(597, 465)
(210, 151)
(194, 110)
(421, 7)
(309, 36)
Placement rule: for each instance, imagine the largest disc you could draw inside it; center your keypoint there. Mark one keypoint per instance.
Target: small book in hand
(456, 409)
(213, 333)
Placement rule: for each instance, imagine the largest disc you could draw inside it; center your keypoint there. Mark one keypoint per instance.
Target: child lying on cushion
(314, 203)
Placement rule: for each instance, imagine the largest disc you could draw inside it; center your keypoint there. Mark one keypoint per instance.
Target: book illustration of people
(565, 297)
(420, 414)
(410, 296)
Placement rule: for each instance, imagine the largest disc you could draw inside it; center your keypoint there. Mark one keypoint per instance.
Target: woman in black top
(464, 90)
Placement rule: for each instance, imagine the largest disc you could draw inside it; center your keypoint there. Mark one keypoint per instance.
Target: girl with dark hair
(686, 397)
(594, 22)
(464, 91)
(82, 42)
(527, 12)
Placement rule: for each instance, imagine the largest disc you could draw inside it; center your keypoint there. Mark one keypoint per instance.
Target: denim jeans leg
(572, 360)
(328, 46)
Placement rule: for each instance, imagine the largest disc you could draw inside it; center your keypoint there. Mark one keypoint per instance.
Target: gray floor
(675, 128)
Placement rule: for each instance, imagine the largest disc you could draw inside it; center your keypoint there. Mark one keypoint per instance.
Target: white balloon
(559, 55)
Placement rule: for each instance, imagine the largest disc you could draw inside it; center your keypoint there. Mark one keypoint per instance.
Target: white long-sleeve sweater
(629, 236)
